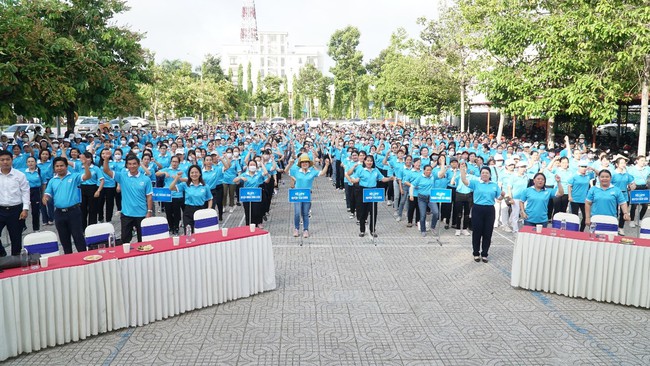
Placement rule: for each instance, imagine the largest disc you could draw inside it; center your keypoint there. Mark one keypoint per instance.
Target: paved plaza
(340, 300)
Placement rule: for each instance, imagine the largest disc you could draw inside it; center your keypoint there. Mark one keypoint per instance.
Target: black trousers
(107, 200)
(349, 198)
(367, 210)
(462, 207)
(445, 208)
(358, 199)
(10, 217)
(88, 204)
(173, 212)
(560, 204)
(69, 227)
(188, 215)
(575, 206)
(267, 195)
(384, 185)
(482, 227)
(339, 183)
(412, 209)
(217, 200)
(35, 199)
(253, 212)
(127, 223)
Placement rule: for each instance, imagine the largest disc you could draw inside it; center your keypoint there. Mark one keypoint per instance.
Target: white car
(138, 122)
(87, 125)
(312, 122)
(183, 122)
(31, 128)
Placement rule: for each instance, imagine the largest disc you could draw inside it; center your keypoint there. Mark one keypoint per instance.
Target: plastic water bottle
(111, 243)
(188, 234)
(24, 259)
(563, 225)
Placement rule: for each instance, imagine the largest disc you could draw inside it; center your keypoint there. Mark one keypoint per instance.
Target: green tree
(348, 68)
(211, 68)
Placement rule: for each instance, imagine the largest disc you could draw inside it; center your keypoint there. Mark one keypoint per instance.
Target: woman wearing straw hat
(304, 178)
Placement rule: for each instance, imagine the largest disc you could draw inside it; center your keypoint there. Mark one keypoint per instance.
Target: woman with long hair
(197, 194)
(367, 177)
(47, 172)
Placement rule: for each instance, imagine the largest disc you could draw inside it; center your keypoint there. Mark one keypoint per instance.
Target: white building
(272, 54)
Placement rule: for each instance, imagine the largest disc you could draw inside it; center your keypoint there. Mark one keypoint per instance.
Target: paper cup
(126, 247)
(610, 236)
(44, 261)
(177, 240)
(538, 228)
(224, 231)
(252, 227)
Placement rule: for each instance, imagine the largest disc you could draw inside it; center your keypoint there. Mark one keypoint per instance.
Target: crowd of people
(494, 183)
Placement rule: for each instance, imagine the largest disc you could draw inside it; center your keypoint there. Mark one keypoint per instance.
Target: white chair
(572, 221)
(644, 230)
(45, 243)
(605, 224)
(154, 228)
(206, 220)
(98, 233)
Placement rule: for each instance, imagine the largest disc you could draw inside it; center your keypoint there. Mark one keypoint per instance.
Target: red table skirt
(585, 236)
(162, 245)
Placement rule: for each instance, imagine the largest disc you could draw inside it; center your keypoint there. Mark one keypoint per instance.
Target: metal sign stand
(373, 195)
(438, 196)
(374, 218)
(298, 198)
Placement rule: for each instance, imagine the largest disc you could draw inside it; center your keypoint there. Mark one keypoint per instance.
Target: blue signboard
(440, 195)
(162, 195)
(642, 196)
(373, 195)
(298, 195)
(250, 194)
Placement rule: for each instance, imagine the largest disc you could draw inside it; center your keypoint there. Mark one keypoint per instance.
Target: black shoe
(446, 227)
(374, 235)
(477, 258)
(238, 203)
(362, 235)
(264, 218)
(484, 259)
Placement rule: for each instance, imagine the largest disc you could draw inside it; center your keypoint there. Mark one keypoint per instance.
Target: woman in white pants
(516, 185)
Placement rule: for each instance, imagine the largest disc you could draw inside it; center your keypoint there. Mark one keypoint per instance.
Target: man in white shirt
(14, 202)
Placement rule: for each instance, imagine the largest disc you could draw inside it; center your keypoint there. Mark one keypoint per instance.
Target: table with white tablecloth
(73, 299)
(576, 265)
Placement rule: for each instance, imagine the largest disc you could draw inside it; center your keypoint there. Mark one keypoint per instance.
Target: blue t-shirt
(579, 187)
(305, 179)
(195, 195)
(605, 201)
(536, 204)
(34, 178)
(135, 189)
(484, 192)
(368, 177)
(65, 191)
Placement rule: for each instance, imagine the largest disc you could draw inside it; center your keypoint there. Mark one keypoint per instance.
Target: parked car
(183, 122)
(139, 122)
(30, 128)
(87, 125)
(312, 122)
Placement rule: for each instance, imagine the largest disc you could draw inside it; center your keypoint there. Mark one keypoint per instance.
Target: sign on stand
(299, 195)
(440, 195)
(250, 194)
(373, 195)
(640, 197)
(162, 195)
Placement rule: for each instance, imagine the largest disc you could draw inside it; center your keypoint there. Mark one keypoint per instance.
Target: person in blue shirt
(533, 205)
(605, 200)
(197, 193)
(367, 177)
(173, 209)
(63, 189)
(462, 205)
(424, 183)
(213, 176)
(90, 191)
(452, 175)
(483, 213)
(36, 187)
(47, 172)
(641, 172)
(229, 174)
(624, 181)
(579, 185)
(137, 191)
(304, 178)
(253, 178)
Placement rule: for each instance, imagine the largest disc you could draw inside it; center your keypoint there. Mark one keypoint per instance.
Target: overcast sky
(190, 29)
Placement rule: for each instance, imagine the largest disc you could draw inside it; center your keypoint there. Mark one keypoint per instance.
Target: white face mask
(229, 155)
(118, 157)
(235, 154)
(136, 151)
(252, 168)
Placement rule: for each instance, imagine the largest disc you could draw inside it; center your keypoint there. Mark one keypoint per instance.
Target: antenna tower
(248, 22)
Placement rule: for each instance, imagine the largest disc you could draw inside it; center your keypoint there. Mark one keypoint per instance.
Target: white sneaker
(232, 208)
(389, 203)
(457, 233)
(621, 232)
(398, 219)
(632, 224)
(507, 229)
(351, 216)
(465, 232)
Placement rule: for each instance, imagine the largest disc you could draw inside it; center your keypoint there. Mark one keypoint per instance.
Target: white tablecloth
(170, 283)
(49, 308)
(599, 271)
(54, 307)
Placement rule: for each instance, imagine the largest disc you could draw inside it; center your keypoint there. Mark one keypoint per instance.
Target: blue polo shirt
(253, 181)
(305, 179)
(484, 192)
(95, 176)
(424, 184)
(231, 173)
(621, 180)
(214, 176)
(605, 201)
(64, 191)
(579, 184)
(34, 178)
(46, 170)
(195, 195)
(536, 204)
(168, 180)
(368, 178)
(135, 189)
(640, 175)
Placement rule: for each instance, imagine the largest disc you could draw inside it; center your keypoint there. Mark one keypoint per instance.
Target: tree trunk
(462, 107)
(643, 125)
(550, 133)
(502, 121)
(70, 117)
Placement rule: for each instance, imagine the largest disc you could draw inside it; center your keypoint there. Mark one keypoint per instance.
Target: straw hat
(305, 158)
